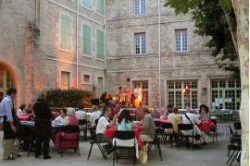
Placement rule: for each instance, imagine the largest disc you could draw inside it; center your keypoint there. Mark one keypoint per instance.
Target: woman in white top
(60, 119)
(21, 110)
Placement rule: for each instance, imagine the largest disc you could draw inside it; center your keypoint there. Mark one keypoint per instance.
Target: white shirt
(193, 117)
(195, 120)
(138, 92)
(58, 121)
(20, 112)
(93, 116)
(102, 125)
(81, 115)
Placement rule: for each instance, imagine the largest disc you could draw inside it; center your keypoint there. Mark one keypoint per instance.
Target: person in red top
(70, 119)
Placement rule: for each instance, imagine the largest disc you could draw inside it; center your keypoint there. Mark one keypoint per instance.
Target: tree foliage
(216, 19)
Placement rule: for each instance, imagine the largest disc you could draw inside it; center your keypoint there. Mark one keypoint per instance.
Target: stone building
(97, 45)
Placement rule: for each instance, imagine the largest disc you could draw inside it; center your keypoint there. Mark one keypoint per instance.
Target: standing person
(138, 96)
(128, 93)
(7, 110)
(43, 117)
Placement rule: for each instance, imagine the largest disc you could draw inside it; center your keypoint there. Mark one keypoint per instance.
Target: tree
(219, 22)
(240, 38)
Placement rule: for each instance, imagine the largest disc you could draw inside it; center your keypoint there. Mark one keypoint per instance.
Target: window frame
(140, 14)
(70, 79)
(141, 43)
(104, 43)
(181, 30)
(91, 40)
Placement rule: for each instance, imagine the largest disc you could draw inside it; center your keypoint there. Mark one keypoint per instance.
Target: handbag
(143, 156)
(196, 130)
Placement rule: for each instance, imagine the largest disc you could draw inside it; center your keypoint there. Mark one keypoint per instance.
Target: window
(65, 80)
(225, 94)
(183, 94)
(144, 86)
(100, 44)
(87, 3)
(6, 82)
(140, 43)
(86, 79)
(181, 40)
(86, 39)
(66, 31)
(139, 7)
(100, 6)
(100, 86)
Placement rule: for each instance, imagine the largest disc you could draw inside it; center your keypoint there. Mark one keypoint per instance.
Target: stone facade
(30, 49)
(122, 62)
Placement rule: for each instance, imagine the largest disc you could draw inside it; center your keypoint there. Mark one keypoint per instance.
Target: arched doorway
(6, 81)
(8, 78)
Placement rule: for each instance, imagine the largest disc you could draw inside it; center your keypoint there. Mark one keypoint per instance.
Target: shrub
(68, 98)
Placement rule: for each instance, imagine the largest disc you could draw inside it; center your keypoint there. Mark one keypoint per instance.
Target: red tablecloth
(110, 132)
(55, 114)
(24, 117)
(161, 120)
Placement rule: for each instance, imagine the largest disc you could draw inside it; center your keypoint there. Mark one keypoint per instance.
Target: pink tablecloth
(161, 120)
(24, 117)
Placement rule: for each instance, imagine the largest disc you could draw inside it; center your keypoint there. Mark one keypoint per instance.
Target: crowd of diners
(107, 114)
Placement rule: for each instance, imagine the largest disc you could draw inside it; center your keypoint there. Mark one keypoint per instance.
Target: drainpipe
(77, 55)
(159, 50)
(105, 50)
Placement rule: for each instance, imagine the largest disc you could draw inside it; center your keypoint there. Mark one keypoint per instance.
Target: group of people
(201, 122)
(112, 115)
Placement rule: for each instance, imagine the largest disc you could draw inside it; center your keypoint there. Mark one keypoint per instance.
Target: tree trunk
(241, 10)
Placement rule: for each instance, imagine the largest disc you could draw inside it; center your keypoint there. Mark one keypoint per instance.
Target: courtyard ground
(209, 155)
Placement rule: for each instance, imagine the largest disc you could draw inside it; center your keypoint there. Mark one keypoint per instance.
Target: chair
(96, 140)
(68, 138)
(83, 125)
(155, 142)
(214, 130)
(124, 140)
(186, 128)
(168, 127)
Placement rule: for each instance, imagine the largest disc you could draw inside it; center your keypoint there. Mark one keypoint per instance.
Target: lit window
(140, 43)
(183, 94)
(181, 40)
(144, 86)
(139, 7)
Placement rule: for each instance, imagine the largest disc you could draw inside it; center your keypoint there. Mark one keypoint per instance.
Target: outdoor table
(161, 120)
(24, 117)
(31, 124)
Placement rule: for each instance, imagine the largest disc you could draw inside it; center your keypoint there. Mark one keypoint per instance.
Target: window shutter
(100, 44)
(66, 28)
(100, 6)
(86, 39)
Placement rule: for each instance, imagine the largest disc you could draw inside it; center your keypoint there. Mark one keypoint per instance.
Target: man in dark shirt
(43, 117)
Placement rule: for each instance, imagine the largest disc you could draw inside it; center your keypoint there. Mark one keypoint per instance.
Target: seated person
(70, 119)
(81, 114)
(147, 125)
(125, 122)
(103, 124)
(60, 119)
(174, 119)
(191, 118)
(94, 115)
(21, 111)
